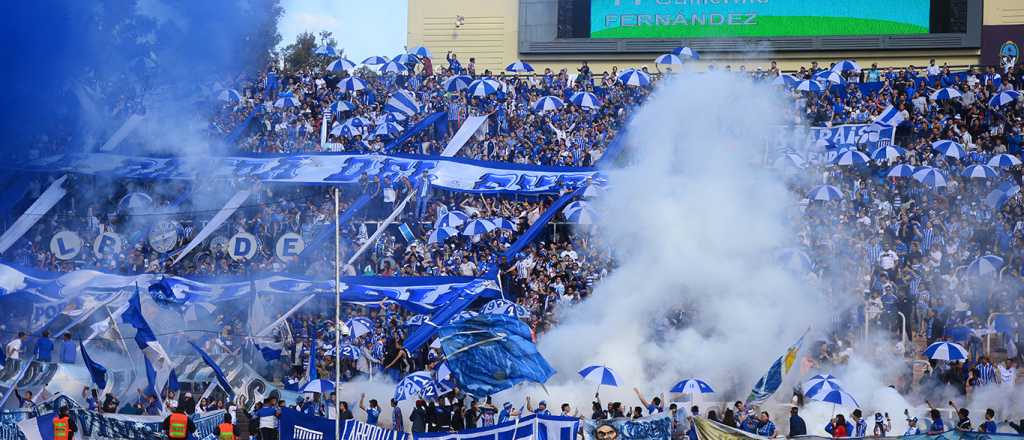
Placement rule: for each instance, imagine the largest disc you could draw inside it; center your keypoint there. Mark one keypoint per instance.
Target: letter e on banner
(290, 245)
(65, 245)
(242, 246)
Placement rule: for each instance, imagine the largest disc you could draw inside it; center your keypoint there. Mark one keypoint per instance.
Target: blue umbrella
(901, 170)
(1003, 98)
(786, 80)
(633, 77)
(930, 176)
(390, 117)
(810, 86)
(503, 223)
(230, 95)
(949, 148)
(686, 53)
(351, 84)
(347, 130)
(318, 386)
(482, 87)
(830, 76)
(421, 52)
(452, 219)
(439, 235)
(463, 315)
(945, 93)
(821, 383)
(601, 375)
(388, 129)
(478, 227)
(836, 397)
(985, 265)
(418, 319)
(341, 106)
(375, 60)
(670, 59)
(1004, 161)
(585, 99)
(405, 59)
(359, 326)
(327, 51)
(692, 386)
(890, 152)
(519, 66)
(548, 103)
(456, 83)
(795, 259)
(582, 216)
(418, 384)
(825, 193)
(341, 65)
(946, 351)
(979, 172)
(851, 157)
(286, 100)
(505, 307)
(404, 102)
(348, 351)
(392, 67)
(358, 121)
(846, 66)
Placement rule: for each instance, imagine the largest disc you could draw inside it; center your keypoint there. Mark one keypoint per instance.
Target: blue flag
(144, 335)
(311, 371)
(172, 381)
(96, 371)
(490, 353)
(218, 373)
(271, 351)
(151, 381)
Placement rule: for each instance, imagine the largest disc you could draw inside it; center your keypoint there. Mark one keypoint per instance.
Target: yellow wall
(490, 34)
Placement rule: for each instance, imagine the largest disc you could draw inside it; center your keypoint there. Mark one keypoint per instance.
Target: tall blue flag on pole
(151, 382)
(311, 371)
(217, 372)
(768, 384)
(97, 372)
(172, 381)
(490, 353)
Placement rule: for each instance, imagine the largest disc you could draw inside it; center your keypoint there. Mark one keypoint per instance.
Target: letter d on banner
(242, 246)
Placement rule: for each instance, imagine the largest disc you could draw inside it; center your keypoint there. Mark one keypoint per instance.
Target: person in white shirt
(1007, 373)
(14, 348)
(888, 259)
(933, 70)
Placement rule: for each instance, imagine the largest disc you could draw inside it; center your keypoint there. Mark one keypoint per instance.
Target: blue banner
(545, 428)
(96, 426)
(298, 426)
(656, 427)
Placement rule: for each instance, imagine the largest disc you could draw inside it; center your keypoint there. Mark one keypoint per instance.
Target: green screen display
(756, 18)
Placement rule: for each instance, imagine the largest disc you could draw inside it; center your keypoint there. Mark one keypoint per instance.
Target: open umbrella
(392, 67)
(452, 219)
(483, 87)
(456, 83)
(601, 375)
(440, 235)
(901, 170)
(341, 106)
(946, 351)
(692, 386)
(582, 216)
(811, 86)
(979, 172)
(949, 148)
(519, 66)
(503, 223)
(1004, 161)
(286, 100)
(505, 307)
(405, 58)
(1003, 98)
(318, 386)
(786, 80)
(821, 383)
(388, 129)
(547, 103)
(478, 226)
(851, 157)
(359, 326)
(985, 265)
(341, 65)
(420, 51)
(585, 99)
(825, 193)
(670, 59)
(686, 53)
(836, 398)
(830, 76)
(930, 176)
(375, 60)
(886, 153)
(846, 66)
(633, 77)
(327, 51)
(351, 84)
(945, 93)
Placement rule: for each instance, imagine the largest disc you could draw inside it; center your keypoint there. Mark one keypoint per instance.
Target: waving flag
(311, 371)
(158, 363)
(217, 372)
(889, 117)
(97, 372)
(270, 351)
(151, 382)
(768, 384)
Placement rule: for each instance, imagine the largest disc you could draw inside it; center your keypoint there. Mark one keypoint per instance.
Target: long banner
(454, 174)
(656, 427)
(711, 430)
(806, 139)
(96, 426)
(298, 426)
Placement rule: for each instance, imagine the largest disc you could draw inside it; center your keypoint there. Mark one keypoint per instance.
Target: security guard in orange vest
(227, 430)
(178, 425)
(64, 426)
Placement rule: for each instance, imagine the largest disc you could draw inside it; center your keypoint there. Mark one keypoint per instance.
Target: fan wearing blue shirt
(44, 348)
(989, 425)
(653, 407)
(68, 350)
(542, 407)
(268, 418)
(372, 413)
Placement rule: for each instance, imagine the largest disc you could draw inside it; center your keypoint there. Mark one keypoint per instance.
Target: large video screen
(756, 18)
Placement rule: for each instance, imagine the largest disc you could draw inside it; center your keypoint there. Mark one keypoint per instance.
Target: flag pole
(337, 318)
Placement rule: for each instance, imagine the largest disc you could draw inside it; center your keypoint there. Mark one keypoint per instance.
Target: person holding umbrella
(838, 427)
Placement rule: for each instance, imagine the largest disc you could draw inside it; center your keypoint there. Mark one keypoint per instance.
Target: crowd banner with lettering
(656, 427)
(453, 174)
(819, 144)
(298, 426)
(97, 426)
(711, 430)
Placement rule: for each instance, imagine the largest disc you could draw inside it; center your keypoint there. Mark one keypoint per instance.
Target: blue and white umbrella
(341, 106)
(846, 66)
(1003, 98)
(375, 60)
(830, 76)
(670, 59)
(585, 99)
(421, 52)
(686, 53)
(1004, 161)
(483, 87)
(478, 226)
(413, 385)
(582, 216)
(901, 170)
(456, 83)
(503, 223)
(930, 176)
(692, 386)
(405, 59)
(946, 351)
(979, 172)
(579, 204)
(358, 121)
(341, 65)
(812, 86)
(390, 117)
(949, 148)
(417, 319)
(547, 103)
(286, 100)
(821, 383)
(795, 259)
(825, 193)
(351, 84)
(327, 51)
(889, 152)
(388, 129)
(452, 219)
(505, 307)
(230, 95)
(945, 93)
(633, 77)
(359, 326)
(318, 386)
(440, 235)
(464, 315)
(392, 67)
(347, 130)
(601, 375)
(851, 157)
(404, 102)
(519, 66)
(836, 397)
(985, 265)
(786, 80)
